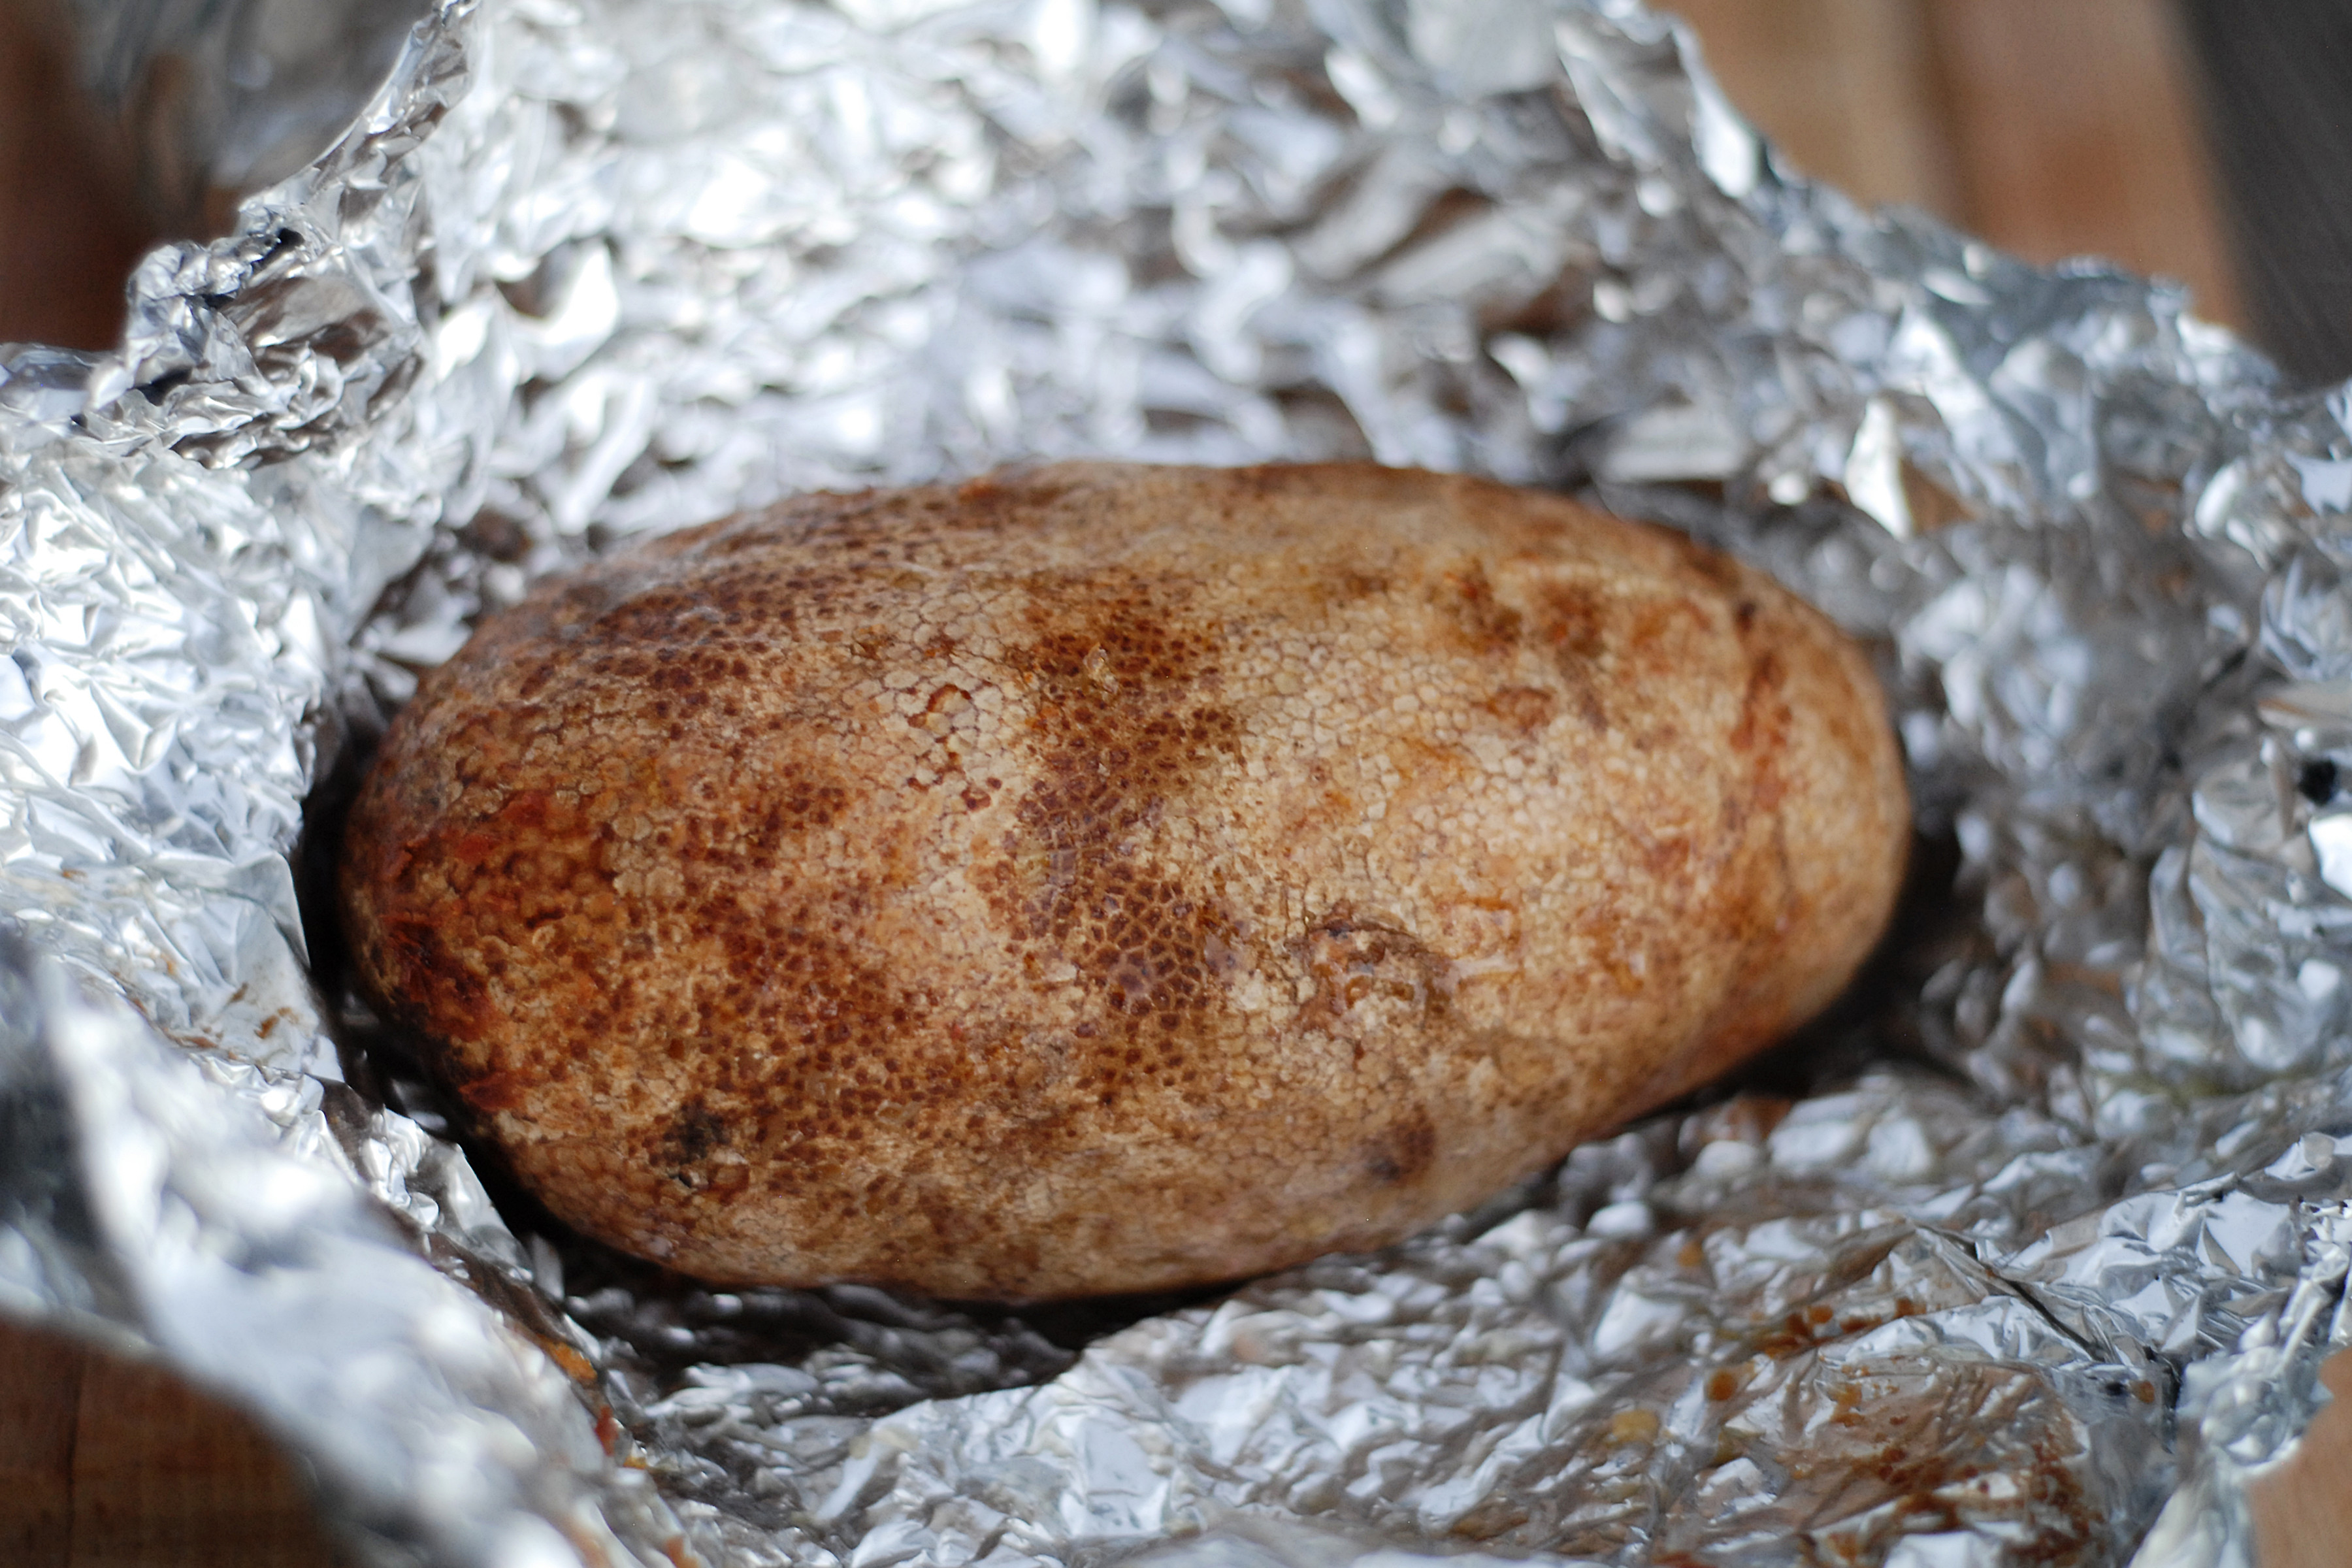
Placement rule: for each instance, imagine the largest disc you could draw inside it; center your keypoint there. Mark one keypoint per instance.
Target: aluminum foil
(2028, 1253)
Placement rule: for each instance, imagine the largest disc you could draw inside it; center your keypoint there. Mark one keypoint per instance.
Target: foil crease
(2029, 1254)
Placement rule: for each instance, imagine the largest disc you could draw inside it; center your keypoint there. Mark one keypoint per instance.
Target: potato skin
(1100, 878)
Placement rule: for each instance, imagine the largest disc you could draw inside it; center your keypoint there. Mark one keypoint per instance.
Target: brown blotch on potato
(1100, 878)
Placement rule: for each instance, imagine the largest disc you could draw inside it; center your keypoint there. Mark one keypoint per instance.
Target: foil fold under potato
(2030, 1253)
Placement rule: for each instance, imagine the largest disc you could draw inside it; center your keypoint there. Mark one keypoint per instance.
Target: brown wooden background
(2051, 127)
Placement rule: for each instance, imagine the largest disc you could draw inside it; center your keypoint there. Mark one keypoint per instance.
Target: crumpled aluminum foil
(2029, 1254)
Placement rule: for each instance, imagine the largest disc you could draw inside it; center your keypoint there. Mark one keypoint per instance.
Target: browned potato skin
(1101, 877)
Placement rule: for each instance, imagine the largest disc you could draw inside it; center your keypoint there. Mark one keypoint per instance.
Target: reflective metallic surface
(2046, 1226)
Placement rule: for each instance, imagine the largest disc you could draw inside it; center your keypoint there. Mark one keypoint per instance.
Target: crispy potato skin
(1099, 878)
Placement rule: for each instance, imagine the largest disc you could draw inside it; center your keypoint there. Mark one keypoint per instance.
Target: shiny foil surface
(2029, 1254)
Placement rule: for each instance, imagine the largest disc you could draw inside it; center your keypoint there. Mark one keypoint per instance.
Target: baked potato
(1098, 877)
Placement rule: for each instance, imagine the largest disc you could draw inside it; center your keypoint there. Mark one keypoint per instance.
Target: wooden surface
(2303, 1511)
(69, 233)
(107, 1463)
(1851, 91)
(2052, 128)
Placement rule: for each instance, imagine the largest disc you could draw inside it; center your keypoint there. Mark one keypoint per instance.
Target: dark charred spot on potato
(693, 1134)
(995, 500)
(1406, 1151)
(1488, 627)
(1666, 859)
(491, 1092)
(1353, 584)
(436, 989)
(535, 679)
(1572, 623)
(1525, 709)
(1573, 627)
(1764, 715)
